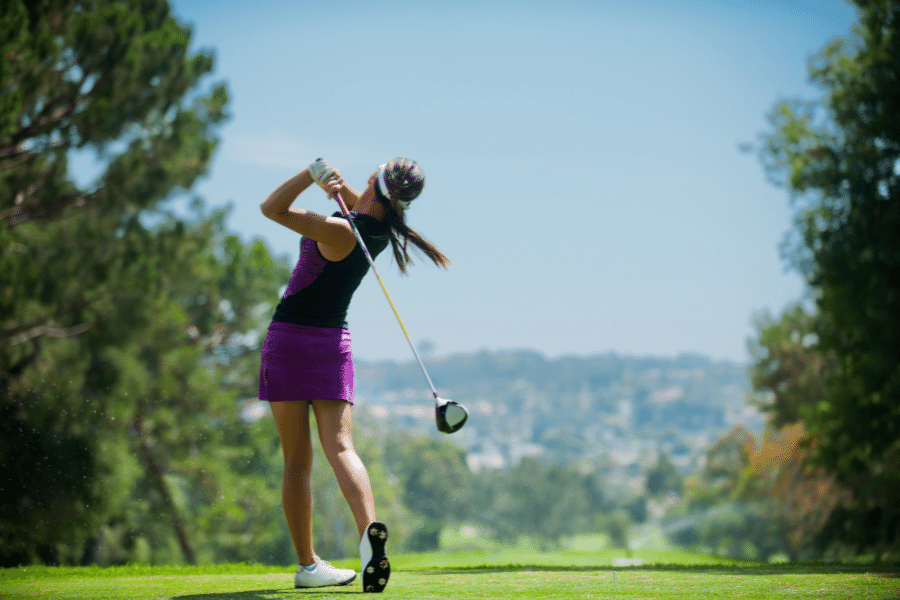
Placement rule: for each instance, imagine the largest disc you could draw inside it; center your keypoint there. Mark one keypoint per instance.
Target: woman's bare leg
(292, 420)
(333, 422)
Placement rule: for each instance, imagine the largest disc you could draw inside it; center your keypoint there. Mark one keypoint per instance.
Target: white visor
(382, 186)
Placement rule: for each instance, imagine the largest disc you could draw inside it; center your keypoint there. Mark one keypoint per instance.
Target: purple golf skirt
(301, 362)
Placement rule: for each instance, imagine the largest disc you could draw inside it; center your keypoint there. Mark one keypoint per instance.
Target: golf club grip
(359, 239)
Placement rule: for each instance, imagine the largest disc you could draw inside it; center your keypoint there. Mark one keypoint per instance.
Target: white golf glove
(321, 171)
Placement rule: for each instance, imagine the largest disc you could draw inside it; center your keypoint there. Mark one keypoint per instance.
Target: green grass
(509, 573)
(762, 582)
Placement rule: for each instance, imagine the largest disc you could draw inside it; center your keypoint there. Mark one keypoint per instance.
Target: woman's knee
(297, 470)
(337, 447)
(299, 458)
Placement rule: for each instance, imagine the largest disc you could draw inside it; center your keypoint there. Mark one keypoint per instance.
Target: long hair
(405, 180)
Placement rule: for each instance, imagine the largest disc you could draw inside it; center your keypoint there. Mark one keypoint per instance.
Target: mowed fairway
(695, 581)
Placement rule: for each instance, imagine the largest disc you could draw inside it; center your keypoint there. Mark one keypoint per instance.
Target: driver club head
(450, 415)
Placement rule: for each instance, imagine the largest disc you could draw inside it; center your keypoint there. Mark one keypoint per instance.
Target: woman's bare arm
(349, 196)
(333, 232)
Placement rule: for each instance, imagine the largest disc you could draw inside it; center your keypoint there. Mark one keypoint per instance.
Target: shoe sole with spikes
(376, 573)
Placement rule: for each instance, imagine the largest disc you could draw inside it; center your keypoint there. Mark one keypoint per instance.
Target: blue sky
(582, 160)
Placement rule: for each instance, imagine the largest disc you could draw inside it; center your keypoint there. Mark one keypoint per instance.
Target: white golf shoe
(322, 575)
(376, 569)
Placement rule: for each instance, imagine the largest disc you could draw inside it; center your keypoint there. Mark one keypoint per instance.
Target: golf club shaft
(387, 295)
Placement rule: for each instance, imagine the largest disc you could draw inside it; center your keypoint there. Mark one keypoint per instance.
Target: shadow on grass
(886, 569)
(273, 594)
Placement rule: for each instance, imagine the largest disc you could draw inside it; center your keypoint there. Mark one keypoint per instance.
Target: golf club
(450, 415)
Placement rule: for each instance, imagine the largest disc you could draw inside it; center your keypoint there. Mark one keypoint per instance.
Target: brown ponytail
(405, 180)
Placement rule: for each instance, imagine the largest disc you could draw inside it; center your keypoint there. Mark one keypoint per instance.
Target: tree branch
(18, 215)
(15, 157)
(57, 110)
(22, 332)
(20, 336)
(157, 475)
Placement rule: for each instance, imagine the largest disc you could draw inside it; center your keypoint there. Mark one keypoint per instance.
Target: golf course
(649, 344)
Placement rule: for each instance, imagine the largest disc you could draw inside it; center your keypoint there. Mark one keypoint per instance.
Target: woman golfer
(306, 357)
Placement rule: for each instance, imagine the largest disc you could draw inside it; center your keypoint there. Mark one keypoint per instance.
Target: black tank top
(320, 290)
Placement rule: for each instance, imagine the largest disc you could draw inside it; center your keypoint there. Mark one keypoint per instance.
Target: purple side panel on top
(310, 266)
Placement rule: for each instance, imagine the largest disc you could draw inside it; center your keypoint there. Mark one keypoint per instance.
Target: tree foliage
(788, 369)
(663, 477)
(721, 513)
(539, 501)
(434, 481)
(800, 498)
(840, 158)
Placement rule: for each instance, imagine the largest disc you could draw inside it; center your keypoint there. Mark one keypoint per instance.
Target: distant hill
(567, 408)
